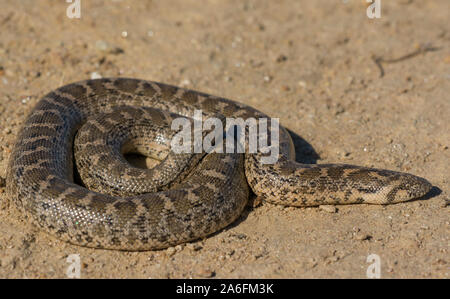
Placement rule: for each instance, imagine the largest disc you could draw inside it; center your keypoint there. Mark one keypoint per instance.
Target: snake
(187, 196)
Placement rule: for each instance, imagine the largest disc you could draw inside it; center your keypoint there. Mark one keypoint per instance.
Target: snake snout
(409, 187)
(380, 186)
(418, 186)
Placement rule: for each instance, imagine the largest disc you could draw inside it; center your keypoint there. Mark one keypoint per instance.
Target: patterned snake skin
(209, 196)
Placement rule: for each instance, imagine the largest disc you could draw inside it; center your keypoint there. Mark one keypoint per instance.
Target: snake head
(379, 186)
(407, 187)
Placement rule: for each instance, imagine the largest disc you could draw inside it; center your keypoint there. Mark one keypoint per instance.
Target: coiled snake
(207, 196)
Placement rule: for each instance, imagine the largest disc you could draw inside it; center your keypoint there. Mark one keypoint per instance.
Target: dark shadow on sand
(304, 152)
(435, 191)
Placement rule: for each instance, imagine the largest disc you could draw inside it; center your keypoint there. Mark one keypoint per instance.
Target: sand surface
(310, 63)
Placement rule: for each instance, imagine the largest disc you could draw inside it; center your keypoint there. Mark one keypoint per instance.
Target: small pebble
(205, 273)
(440, 262)
(362, 237)
(105, 47)
(328, 208)
(95, 75)
(241, 236)
(116, 51)
(101, 45)
(267, 78)
(230, 253)
(185, 82)
(285, 88)
(281, 58)
(194, 247)
(302, 84)
(171, 251)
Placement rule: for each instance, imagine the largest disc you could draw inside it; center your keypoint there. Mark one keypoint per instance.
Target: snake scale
(42, 178)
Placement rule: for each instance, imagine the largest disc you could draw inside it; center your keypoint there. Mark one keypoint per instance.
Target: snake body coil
(209, 196)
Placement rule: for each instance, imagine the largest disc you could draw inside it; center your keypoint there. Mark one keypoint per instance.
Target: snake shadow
(434, 191)
(304, 152)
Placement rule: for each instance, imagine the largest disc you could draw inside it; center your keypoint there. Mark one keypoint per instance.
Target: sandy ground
(310, 63)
